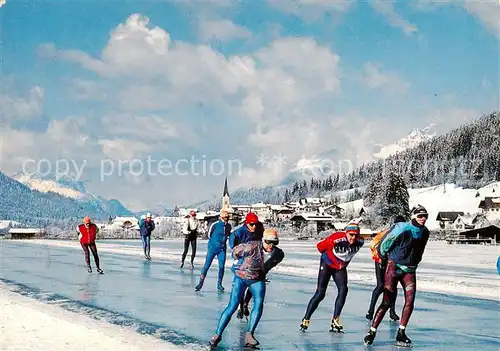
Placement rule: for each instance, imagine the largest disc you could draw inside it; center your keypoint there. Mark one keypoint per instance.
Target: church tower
(225, 197)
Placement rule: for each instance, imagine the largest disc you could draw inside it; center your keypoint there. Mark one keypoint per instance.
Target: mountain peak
(416, 136)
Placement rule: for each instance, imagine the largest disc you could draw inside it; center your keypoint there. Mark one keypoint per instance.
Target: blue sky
(92, 81)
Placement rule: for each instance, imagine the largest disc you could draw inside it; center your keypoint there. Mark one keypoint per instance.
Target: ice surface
(158, 298)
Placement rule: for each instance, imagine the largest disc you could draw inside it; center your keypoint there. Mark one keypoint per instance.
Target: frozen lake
(158, 298)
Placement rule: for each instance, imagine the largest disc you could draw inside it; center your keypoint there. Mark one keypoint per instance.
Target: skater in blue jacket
(218, 233)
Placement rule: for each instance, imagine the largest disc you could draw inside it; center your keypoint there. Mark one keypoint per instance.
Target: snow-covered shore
(27, 324)
(463, 270)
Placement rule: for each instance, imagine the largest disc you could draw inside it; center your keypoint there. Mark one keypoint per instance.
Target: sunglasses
(423, 216)
(272, 242)
(252, 224)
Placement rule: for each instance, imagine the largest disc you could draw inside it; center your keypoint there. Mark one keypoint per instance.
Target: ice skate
(199, 286)
(370, 337)
(250, 341)
(220, 288)
(336, 326)
(394, 316)
(304, 324)
(402, 340)
(369, 316)
(214, 341)
(89, 269)
(100, 271)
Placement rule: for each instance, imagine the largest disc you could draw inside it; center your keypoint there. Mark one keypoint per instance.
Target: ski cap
(148, 215)
(271, 234)
(192, 213)
(418, 210)
(86, 219)
(251, 218)
(352, 228)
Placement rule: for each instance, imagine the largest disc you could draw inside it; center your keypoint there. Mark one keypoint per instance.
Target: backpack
(377, 239)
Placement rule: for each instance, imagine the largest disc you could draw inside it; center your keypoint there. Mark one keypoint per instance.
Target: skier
(403, 248)
(146, 227)
(248, 273)
(379, 273)
(273, 255)
(218, 234)
(191, 233)
(87, 233)
(337, 252)
(251, 230)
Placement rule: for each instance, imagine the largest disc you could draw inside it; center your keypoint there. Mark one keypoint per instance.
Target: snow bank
(27, 324)
(465, 270)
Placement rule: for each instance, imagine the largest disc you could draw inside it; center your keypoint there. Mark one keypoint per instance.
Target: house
(490, 204)
(446, 218)
(484, 235)
(311, 221)
(124, 223)
(6, 225)
(464, 222)
(283, 214)
(26, 233)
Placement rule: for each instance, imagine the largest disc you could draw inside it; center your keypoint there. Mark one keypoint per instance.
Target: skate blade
(403, 344)
(337, 331)
(252, 347)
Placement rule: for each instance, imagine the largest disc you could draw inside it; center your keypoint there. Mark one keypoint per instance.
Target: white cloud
(311, 10)
(123, 149)
(486, 11)
(386, 9)
(390, 82)
(222, 30)
(21, 108)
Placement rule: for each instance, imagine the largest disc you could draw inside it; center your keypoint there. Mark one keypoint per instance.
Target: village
(305, 219)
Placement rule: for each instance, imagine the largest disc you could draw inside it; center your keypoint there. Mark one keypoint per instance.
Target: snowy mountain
(416, 137)
(316, 166)
(72, 188)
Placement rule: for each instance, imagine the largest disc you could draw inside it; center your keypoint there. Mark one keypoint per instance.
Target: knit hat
(271, 234)
(192, 213)
(418, 210)
(352, 228)
(251, 218)
(86, 220)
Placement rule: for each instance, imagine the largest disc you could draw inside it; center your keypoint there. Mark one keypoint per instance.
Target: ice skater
(191, 226)
(337, 252)
(248, 274)
(273, 255)
(218, 233)
(146, 227)
(252, 229)
(379, 273)
(403, 248)
(87, 234)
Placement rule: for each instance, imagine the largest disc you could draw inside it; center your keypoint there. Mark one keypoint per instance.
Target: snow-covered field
(27, 324)
(463, 270)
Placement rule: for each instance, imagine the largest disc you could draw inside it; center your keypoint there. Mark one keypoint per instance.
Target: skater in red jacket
(87, 233)
(336, 252)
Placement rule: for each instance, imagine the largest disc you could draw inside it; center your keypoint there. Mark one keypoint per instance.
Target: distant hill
(56, 202)
(20, 203)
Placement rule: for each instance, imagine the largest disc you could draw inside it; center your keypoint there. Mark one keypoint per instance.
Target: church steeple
(226, 191)
(225, 197)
